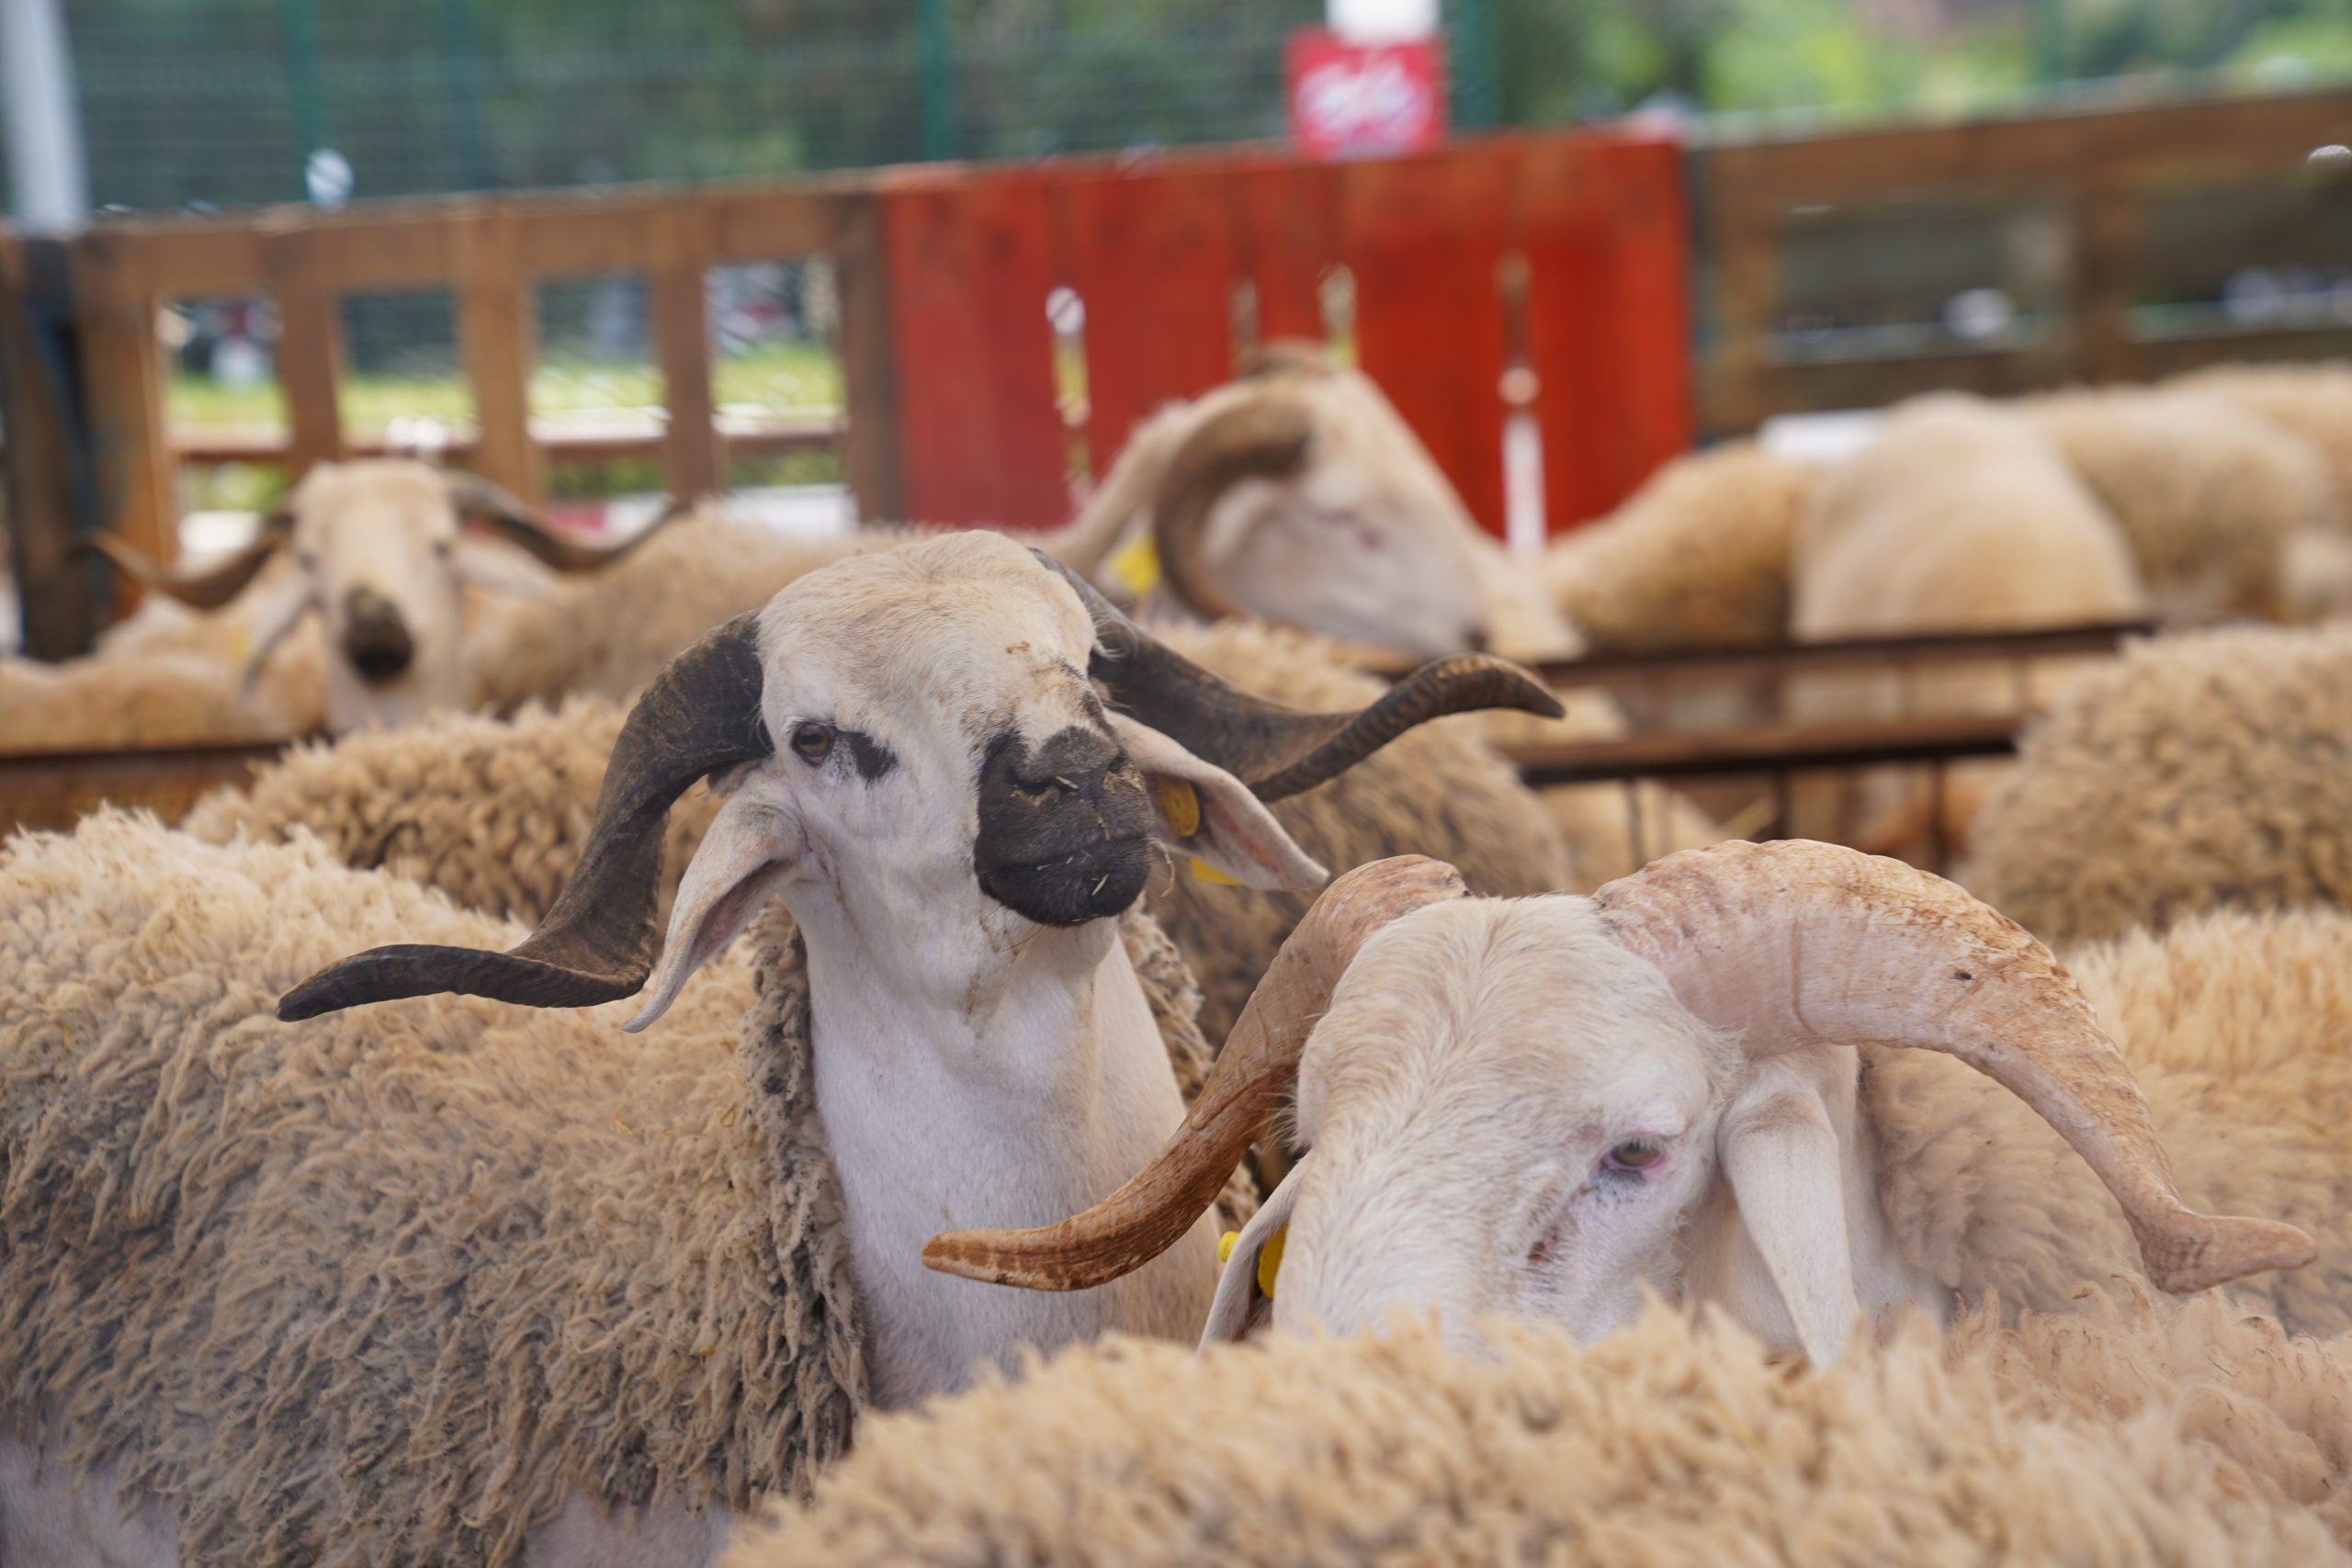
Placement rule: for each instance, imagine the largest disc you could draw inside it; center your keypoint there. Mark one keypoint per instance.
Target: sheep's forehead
(967, 625)
(361, 503)
(1527, 1012)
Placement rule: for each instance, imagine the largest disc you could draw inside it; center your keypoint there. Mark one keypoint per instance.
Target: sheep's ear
(1781, 1156)
(1236, 1307)
(746, 853)
(499, 570)
(1201, 810)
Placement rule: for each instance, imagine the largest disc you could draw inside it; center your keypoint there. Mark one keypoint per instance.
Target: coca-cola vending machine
(1351, 99)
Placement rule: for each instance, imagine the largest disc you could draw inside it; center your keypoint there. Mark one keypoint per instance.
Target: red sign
(1355, 100)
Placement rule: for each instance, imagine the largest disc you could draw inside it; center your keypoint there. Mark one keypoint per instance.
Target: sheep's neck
(1013, 1095)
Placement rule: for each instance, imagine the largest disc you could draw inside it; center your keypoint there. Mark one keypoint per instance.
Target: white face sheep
(1297, 494)
(383, 560)
(922, 771)
(1542, 1107)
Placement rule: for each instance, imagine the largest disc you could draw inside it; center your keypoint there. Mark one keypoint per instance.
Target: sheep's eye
(441, 548)
(814, 742)
(1634, 1155)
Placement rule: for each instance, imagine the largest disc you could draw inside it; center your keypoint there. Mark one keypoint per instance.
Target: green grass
(787, 376)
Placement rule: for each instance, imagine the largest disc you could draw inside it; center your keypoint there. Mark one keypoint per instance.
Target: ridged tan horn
(1259, 1062)
(1799, 943)
(206, 590)
(599, 939)
(1280, 751)
(1264, 435)
(522, 526)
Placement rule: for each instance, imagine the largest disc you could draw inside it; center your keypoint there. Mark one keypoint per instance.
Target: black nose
(1064, 828)
(1477, 639)
(375, 636)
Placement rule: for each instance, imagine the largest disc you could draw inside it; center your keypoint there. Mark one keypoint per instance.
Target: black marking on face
(872, 758)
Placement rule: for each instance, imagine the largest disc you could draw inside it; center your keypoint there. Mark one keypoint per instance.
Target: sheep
(235, 1249)
(2208, 770)
(1297, 494)
(2213, 500)
(1697, 557)
(382, 558)
(2141, 1435)
(1547, 1108)
(494, 813)
(1959, 516)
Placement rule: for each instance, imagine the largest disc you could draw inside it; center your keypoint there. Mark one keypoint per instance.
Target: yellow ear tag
(1270, 1257)
(1269, 1261)
(1208, 873)
(1136, 566)
(1180, 804)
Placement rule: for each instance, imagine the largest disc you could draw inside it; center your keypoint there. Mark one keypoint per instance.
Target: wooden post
(122, 392)
(2106, 232)
(868, 373)
(310, 349)
(697, 464)
(497, 333)
(59, 619)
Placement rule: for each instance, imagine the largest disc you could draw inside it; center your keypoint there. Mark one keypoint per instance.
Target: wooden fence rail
(2093, 241)
(1548, 276)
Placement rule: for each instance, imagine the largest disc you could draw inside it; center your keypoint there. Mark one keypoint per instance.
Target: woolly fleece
(2208, 494)
(2312, 401)
(2123, 1436)
(494, 813)
(2212, 770)
(2238, 1026)
(1698, 557)
(383, 1287)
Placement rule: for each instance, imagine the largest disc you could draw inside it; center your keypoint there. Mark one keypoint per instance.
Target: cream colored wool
(494, 813)
(2206, 770)
(2237, 1027)
(612, 631)
(1697, 557)
(168, 676)
(2208, 494)
(2312, 401)
(387, 1286)
(1957, 516)
(98, 703)
(2153, 1436)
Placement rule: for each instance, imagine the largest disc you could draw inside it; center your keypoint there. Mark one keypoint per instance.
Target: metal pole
(461, 61)
(302, 76)
(935, 60)
(1477, 81)
(46, 166)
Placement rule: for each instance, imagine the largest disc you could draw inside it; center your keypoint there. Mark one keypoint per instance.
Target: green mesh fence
(220, 101)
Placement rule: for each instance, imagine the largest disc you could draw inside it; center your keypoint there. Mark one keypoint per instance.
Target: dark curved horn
(522, 526)
(1280, 751)
(206, 590)
(600, 940)
(1265, 435)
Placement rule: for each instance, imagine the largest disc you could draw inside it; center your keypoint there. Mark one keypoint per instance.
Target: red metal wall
(1157, 253)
